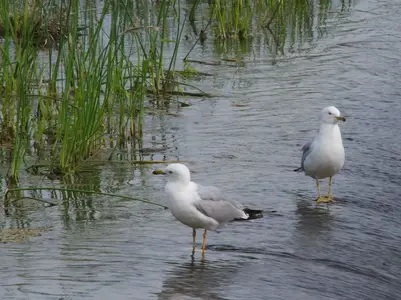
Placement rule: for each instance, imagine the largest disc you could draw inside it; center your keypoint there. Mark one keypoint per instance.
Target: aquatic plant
(44, 26)
(92, 88)
(232, 17)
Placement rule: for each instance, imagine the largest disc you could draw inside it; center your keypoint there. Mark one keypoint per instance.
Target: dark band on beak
(340, 118)
(158, 172)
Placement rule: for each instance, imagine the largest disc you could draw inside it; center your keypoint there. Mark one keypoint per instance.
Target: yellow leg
(320, 198)
(330, 183)
(318, 188)
(193, 240)
(204, 243)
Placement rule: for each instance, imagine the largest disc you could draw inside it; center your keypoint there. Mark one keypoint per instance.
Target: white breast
(180, 203)
(327, 157)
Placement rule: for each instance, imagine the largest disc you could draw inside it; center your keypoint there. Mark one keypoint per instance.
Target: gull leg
(204, 243)
(193, 240)
(320, 198)
(330, 196)
(318, 188)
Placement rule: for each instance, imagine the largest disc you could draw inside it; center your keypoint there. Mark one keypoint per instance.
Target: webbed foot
(325, 199)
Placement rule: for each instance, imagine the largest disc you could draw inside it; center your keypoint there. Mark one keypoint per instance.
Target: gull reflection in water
(199, 280)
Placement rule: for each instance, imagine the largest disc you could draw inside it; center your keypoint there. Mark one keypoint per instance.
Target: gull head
(175, 173)
(331, 115)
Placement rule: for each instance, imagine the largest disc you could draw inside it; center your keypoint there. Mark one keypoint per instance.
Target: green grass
(91, 90)
(233, 18)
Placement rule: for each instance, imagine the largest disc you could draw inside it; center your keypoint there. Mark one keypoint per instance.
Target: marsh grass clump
(242, 19)
(44, 26)
(232, 18)
(89, 94)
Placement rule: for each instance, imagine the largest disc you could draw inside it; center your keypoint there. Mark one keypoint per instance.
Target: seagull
(200, 206)
(324, 156)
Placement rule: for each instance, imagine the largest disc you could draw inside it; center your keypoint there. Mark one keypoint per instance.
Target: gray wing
(208, 192)
(213, 193)
(306, 150)
(214, 206)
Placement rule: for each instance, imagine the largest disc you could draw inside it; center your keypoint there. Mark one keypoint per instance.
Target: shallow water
(351, 250)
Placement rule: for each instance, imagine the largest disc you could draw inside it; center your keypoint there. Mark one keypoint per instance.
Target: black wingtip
(298, 169)
(253, 213)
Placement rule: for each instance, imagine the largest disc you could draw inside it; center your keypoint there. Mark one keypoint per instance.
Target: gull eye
(170, 172)
(330, 113)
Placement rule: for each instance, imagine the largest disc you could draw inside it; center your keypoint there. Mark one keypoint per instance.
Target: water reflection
(312, 218)
(292, 26)
(198, 280)
(300, 23)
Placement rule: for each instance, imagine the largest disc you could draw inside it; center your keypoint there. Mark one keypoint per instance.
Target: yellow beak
(340, 118)
(159, 172)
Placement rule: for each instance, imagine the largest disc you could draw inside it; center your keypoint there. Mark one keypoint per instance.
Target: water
(128, 250)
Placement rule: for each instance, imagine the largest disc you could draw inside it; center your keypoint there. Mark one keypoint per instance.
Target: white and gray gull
(324, 156)
(200, 206)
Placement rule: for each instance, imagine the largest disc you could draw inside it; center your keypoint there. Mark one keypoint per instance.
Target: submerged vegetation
(77, 77)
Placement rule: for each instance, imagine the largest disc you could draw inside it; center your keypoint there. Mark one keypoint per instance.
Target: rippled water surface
(247, 141)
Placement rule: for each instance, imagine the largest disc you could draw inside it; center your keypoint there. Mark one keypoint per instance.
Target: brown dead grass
(20, 235)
